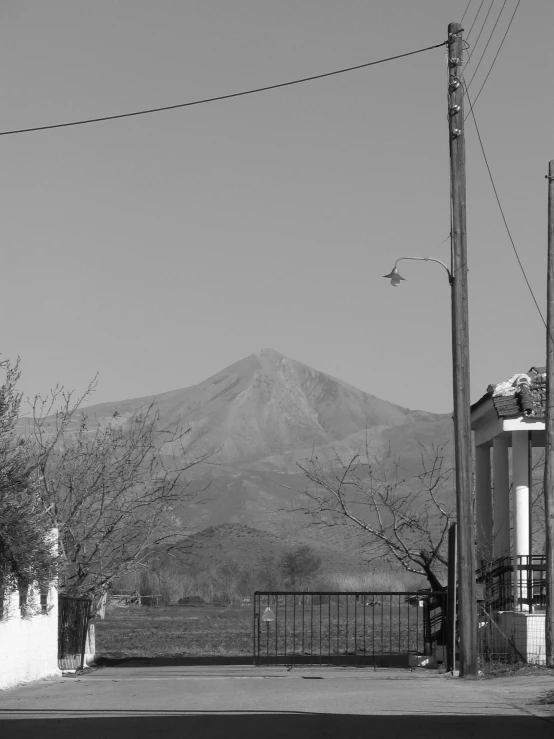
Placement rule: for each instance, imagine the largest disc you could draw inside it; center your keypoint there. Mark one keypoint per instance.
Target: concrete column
(520, 476)
(520, 480)
(483, 504)
(501, 498)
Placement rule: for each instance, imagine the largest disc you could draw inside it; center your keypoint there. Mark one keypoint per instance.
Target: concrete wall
(28, 646)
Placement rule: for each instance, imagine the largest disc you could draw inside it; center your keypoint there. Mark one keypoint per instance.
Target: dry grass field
(307, 627)
(175, 631)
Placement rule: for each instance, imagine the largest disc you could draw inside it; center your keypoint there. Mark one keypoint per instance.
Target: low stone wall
(28, 646)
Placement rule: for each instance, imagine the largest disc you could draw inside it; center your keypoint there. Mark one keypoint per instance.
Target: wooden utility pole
(467, 597)
(549, 443)
(452, 599)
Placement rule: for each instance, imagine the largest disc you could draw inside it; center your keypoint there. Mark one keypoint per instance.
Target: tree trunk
(432, 579)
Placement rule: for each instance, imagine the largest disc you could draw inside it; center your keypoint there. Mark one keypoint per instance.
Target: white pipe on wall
(520, 478)
(520, 475)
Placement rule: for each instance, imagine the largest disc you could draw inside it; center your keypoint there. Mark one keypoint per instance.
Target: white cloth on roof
(509, 387)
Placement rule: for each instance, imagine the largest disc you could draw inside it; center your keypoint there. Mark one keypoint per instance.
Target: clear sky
(158, 250)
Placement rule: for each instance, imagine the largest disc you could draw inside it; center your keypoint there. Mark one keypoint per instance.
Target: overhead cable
(465, 11)
(493, 61)
(472, 111)
(480, 32)
(203, 101)
(476, 16)
(486, 45)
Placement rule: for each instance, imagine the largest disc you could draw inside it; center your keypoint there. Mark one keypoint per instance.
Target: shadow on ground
(212, 725)
(171, 661)
(395, 661)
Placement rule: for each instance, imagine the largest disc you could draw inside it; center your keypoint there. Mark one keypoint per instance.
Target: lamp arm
(429, 259)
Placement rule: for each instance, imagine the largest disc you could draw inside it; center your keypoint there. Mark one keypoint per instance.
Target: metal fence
(374, 629)
(518, 585)
(512, 610)
(73, 620)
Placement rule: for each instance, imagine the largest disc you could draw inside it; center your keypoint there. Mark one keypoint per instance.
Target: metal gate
(73, 620)
(375, 629)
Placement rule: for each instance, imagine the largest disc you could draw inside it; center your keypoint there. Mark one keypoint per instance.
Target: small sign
(480, 590)
(268, 615)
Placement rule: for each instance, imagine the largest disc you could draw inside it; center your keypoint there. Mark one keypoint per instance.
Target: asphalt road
(273, 703)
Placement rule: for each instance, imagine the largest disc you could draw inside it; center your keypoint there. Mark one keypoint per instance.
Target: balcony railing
(514, 586)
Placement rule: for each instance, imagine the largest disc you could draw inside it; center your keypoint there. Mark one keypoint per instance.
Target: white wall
(28, 646)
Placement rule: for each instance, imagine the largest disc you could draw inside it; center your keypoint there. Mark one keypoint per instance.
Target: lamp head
(395, 277)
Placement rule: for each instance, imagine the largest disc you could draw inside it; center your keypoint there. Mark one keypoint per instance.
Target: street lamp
(463, 455)
(395, 277)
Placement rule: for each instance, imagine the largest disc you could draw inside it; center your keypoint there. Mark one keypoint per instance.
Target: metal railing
(73, 621)
(374, 629)
(512, 609)
(515, 586)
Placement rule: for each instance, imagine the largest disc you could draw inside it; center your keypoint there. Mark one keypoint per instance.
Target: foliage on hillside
(299, 566)
(228, 582)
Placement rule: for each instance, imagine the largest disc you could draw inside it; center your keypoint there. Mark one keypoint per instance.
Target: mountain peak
(267, 405)
(269, 353)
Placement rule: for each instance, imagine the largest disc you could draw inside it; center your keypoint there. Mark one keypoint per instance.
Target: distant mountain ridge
(263, 414)
(268, 406)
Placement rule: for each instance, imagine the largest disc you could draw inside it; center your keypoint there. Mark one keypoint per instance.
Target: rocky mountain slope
(267, 410)
(263, 414)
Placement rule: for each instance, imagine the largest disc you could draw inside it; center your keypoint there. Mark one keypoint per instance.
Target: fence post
(254, 630)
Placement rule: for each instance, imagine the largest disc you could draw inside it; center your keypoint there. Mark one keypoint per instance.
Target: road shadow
(213, 724)
(392, 660)
(170, 661)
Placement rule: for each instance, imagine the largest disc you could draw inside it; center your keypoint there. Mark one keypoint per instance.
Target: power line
(476, 16)
(219, 97)
(493, 61)
(472, 111)
(480, 32)
(465, 11)
(487, 44)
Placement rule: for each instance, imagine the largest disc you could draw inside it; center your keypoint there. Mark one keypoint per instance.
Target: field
(175, 631)
(303, 627)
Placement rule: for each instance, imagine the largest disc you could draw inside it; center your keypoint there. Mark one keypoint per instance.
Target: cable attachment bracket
(453, 83)
(455, 34)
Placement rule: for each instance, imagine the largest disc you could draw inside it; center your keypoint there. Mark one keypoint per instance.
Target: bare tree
(406, 519)
(110, 488)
